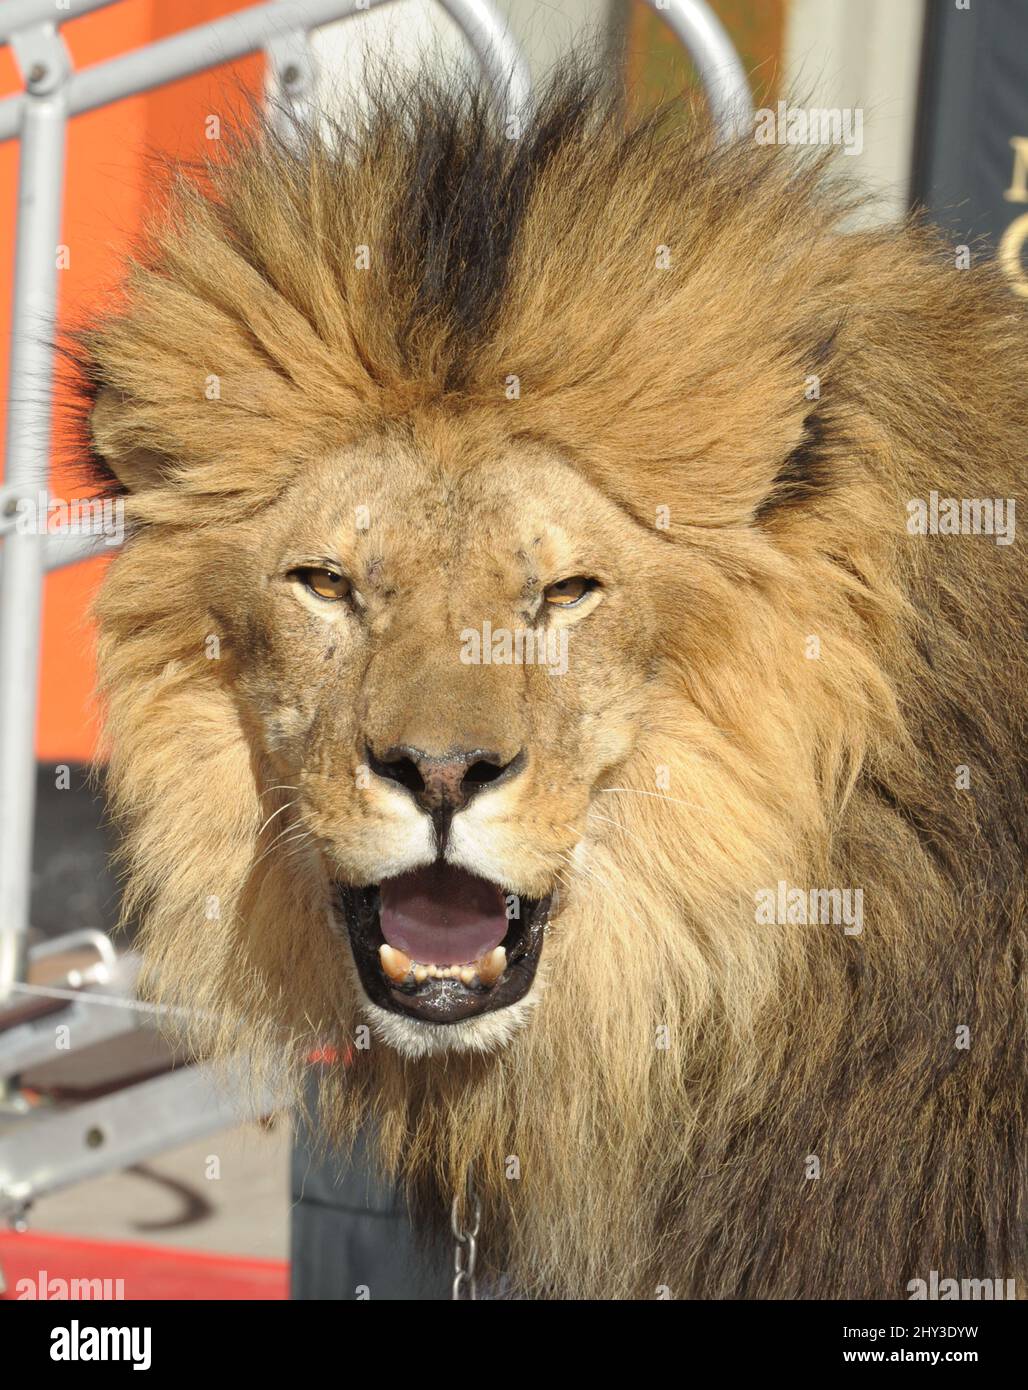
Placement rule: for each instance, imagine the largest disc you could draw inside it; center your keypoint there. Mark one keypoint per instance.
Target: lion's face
(436, 665)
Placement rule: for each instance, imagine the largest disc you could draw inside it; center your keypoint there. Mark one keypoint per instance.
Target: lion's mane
(686, 1064)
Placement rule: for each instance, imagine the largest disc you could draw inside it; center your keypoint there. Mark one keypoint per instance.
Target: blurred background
(943, 91)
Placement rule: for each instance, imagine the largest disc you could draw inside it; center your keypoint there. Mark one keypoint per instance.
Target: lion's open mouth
(441, 945)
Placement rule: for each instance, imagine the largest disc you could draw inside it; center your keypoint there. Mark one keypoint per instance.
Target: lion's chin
(437, 952)
(414, 1039)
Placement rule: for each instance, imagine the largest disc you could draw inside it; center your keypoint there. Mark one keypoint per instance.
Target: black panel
(352, 1237)
(72, 883)
(974, 104)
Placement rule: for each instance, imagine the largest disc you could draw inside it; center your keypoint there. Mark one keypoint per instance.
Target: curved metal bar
(703, 36)
(244, 31)
(498, 54)
(59, 550)
(77, 941)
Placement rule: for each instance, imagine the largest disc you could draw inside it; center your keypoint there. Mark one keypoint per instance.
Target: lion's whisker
(661, 796)
(284, 845)
(588, 871)
(301, 834)
(293, 847)
(280, 836)
(284, 807)
(618, 826)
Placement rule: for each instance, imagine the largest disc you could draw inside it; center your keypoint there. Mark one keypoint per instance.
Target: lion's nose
(444, 784)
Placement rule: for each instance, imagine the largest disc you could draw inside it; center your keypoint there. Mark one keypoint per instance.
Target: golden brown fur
(695, 752)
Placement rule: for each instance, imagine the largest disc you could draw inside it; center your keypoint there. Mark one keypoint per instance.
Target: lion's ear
(808, 467)
(135, 466)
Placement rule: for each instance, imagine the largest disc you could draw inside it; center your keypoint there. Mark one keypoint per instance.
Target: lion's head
(518, 585)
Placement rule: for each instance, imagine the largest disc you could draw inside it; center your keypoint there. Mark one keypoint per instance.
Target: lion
(538, 670)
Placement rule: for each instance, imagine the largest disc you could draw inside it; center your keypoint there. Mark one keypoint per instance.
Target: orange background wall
(658, 67)
(110, 182)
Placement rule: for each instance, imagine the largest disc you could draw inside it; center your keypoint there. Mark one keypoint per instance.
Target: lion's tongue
(442, 916)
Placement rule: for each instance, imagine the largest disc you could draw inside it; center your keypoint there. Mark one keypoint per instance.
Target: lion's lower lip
(446, 993)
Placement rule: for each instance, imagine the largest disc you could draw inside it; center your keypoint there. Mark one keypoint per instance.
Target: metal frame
(63, 1146)
(721, 72)
(54, 92)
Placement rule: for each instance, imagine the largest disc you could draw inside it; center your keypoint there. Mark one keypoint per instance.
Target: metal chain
(465, 1247)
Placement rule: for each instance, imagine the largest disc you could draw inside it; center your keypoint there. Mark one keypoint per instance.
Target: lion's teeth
(492, 965)
(394, 963)
(485, 971)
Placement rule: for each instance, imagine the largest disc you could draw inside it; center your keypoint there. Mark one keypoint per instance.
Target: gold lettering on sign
(1009, 255)
(1012, 242)
(1018, 190)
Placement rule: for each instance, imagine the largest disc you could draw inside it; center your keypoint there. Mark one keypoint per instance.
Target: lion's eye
(567, 592)
(325, 583)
